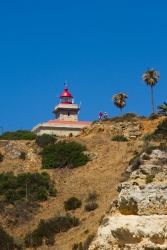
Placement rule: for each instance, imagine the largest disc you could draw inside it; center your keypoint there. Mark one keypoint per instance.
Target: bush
(63, 154)
(91, 206)
(48, 229)
(11, 195)
(149, 178)
(75, 247)
(92, 196)
(88, 241)
(154, 116)
(124, 176)
(26, 185)
(148, 136)
(42, 194)
(22, 211)
(70, 135)
(126, 117)
(150, 149)
(22, 155)
(7, 241)
(146, 157)
(44, 140)
(130, 115)
(18, 135)
(119, 138)
(161, 132)
(1, 157)
(72, 203)
(135, 162)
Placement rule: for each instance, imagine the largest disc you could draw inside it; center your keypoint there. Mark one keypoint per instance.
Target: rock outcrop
(138, 217)
(131, 130)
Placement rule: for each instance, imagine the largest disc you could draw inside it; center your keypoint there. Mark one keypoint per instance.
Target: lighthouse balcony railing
(64, 105)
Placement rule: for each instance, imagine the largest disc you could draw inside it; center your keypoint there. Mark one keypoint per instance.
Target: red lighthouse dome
(66, 96)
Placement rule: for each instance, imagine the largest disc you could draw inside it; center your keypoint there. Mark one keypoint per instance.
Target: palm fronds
(162, 109)
(119, 100)
(151, 77)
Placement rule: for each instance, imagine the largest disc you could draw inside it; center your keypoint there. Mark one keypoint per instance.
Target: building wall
(57, 131)
(67, 115)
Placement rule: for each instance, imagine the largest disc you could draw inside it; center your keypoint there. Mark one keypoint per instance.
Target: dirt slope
(101, 175)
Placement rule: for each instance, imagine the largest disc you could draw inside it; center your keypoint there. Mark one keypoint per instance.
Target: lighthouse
(66, 110)
(66, 118)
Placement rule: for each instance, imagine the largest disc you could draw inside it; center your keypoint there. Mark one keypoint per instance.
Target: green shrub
(149, 178)
(85, 245)
(18, 135)
(7, 241)
(119, 138)
(63, 154)
(126, 117)
(135, 162)
(92, 196)
(44, 140)
(72, 203)
(91, 206)
(161, 132)
(88, 241)
(124, 176)
(50, 240)
(1, 157)
(22, 211)
(52, 191)
(48, 229)
(148, 136)
(42, 194)
(129, 115)
(75, 246)
(154, 116)
(162, 146)
(26, 185)
(11, 195)
(150, 149)
(22, 155)
(146, 157)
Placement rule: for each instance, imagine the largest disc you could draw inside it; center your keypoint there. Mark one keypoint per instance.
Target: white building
(66, 118)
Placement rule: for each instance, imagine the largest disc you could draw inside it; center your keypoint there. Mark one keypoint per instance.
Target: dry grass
(100, 175)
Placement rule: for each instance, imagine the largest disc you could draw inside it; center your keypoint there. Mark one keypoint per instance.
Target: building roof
(66, 93)
(69, 122)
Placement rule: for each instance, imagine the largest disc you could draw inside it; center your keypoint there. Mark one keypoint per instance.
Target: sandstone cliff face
(138, 217)
(133, 129)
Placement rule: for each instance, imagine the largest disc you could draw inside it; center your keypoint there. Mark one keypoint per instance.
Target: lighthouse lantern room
(66, 110)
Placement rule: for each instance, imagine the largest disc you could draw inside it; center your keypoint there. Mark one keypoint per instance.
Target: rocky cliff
(138, 217)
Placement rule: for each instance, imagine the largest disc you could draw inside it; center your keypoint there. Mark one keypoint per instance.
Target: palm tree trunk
(152, 100)
(120, 111)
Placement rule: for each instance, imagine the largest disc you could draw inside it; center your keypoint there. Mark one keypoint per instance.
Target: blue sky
(100, 48)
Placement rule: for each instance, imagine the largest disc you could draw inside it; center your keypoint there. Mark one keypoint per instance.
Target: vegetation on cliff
(63, 154)
(23, 186)
(18, 135)
(47, 229)
(44, 140)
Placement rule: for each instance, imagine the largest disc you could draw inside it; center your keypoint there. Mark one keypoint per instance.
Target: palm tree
(119, 101)
(151, 77)
(162, 109)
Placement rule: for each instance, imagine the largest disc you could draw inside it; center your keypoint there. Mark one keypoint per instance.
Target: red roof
(66, 93)
(70, 122)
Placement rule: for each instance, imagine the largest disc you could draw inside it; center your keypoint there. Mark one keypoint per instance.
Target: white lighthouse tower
(66, 110)
(66, 118)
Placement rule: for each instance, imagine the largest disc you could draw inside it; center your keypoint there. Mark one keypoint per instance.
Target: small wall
(57, 131)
